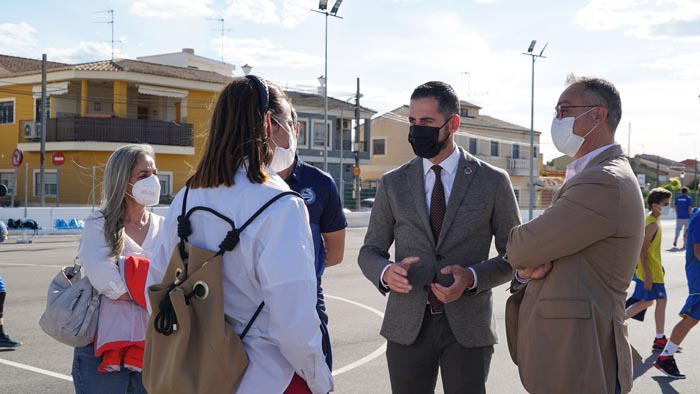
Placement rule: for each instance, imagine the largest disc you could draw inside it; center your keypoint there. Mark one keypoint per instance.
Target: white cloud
(17, 38)
(288, 13)
(262, 52)
(296, 11)
(258, 11)
(685, 65)
(84, 52)
(661, 19)
(21, 40)
(171, 8)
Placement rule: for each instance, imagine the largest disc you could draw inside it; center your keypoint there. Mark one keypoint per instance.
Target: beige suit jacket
(567, 332)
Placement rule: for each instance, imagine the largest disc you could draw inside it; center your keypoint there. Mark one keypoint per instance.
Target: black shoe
(7, 342)
(674, 244)
(668, 366)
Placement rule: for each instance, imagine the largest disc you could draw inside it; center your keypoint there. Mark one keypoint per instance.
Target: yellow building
(497, 142)
(93, 109)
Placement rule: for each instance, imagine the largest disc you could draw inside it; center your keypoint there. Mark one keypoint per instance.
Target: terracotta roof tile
(316, 100)
(16, 66)
(13, 64)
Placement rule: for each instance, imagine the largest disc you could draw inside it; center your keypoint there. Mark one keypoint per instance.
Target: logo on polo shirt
(308, 195)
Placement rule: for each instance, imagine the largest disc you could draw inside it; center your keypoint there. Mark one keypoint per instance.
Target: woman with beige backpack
(236, 247)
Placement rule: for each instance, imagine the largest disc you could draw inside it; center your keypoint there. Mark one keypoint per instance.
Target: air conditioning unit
(31, 130)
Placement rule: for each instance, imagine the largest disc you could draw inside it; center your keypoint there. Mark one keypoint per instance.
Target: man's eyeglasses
(559, 109)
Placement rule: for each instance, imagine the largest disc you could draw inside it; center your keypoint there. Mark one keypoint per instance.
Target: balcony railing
(153, 132)
(519, 167)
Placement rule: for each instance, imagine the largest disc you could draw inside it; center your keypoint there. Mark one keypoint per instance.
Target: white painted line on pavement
(369, 357)
(30, 265)
(349, 367)
(37, 370)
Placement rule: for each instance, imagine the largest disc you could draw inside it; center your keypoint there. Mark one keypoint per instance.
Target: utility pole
(44, 117)
(468, 82)
(695, 181)
(356, 170)
(629, 139)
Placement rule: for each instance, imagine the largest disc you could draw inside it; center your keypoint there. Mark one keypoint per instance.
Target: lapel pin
(467, 170)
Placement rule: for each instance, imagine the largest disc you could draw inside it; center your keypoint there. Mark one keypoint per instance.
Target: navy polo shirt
(323, 203)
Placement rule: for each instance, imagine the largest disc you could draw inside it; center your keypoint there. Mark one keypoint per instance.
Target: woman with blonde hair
(121, 227)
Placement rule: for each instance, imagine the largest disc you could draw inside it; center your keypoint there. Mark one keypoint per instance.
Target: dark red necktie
(437, 214)
(437, 203)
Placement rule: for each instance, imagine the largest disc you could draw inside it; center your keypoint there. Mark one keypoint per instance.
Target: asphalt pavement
(42, 365)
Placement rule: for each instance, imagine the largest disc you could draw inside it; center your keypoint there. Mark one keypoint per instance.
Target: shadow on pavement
(664, 382)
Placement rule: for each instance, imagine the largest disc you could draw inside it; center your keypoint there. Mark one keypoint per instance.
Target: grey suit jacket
(481, 206)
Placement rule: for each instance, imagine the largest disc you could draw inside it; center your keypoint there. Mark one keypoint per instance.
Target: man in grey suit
(441, 210)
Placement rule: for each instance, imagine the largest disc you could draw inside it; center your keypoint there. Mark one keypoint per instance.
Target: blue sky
(649, 49)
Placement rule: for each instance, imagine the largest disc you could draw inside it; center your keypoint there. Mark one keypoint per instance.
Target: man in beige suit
(566, 327)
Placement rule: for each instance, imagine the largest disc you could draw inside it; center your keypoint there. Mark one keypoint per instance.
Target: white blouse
(274, 262)
(94, 254)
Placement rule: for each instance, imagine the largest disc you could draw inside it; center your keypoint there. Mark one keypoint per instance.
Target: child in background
(649, 276)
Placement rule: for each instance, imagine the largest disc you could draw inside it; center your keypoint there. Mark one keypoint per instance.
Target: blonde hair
(116, 178)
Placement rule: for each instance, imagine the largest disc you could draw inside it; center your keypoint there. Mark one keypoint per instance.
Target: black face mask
(425, 140)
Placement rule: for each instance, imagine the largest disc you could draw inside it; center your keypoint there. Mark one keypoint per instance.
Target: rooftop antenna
(111, 22)
(222, 30)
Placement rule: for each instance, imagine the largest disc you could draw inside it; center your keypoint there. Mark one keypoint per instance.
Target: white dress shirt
(274, 262)
(447, 175)
(94, 254)
(579, 164)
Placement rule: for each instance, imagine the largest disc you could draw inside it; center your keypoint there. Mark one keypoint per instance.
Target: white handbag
(72, 307)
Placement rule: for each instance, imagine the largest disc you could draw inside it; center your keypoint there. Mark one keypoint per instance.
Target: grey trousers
(413, 369)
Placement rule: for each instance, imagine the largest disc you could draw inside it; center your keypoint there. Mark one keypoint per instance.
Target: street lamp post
(532, 124)
(322, 9)
(247, 68)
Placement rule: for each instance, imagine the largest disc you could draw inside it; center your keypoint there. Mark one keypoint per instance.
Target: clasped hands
(535, 273)
(396, 278)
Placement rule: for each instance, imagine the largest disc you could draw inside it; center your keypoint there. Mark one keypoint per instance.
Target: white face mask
(563, 135)
(283, 158)
(146, 191)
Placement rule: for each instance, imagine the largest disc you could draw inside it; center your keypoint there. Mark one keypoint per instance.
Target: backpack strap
(184, 229)
(165, 321)
(233, 236)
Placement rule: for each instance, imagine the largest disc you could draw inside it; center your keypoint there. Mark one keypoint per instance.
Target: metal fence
(109, 130)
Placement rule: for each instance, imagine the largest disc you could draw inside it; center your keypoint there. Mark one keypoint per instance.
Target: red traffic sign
(58, 159)
(17, 157)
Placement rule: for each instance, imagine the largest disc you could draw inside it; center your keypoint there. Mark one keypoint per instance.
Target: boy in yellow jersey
(649, 276)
